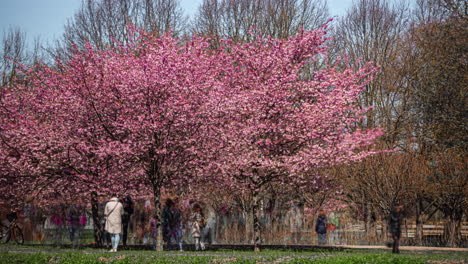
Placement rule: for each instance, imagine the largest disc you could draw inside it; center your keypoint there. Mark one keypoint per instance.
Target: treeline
(418, 95)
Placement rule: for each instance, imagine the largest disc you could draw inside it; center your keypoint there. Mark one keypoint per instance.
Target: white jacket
(113, 215)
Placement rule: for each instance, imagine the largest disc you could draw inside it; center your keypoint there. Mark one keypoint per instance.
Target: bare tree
(13, 51)
(104, 22)
(286, 17)
(419, 97)
(375, 185)
(231, 19)
(371, 30)
(448, 185)
(438, 78)
(427, 11)
(438, 83)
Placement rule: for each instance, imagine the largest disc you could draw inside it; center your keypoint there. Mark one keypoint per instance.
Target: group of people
(175, 222)
(117, 217)
(62, 218)
(173, 228)
(323, 224)
(72, 218)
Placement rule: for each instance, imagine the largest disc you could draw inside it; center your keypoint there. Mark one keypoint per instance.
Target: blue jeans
(322, 239)
(75, 234)
(147, 237)
(176, 235)
(115, 239)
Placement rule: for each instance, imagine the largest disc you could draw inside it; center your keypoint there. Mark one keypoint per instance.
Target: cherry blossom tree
(136, 108)
(276, 126)
(44, 154)
(157, 113)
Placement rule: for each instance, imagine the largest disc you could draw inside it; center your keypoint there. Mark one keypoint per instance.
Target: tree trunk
(383, 228)
(366, 213)
(157, 216)
(248, 225)
(419, 223)
(452, 229)
(156, 178)
(97, 227)
(256, 222)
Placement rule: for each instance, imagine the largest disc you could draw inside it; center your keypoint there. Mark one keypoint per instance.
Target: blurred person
(128, 211)
(113, 213)
(197, 221)
(82, 222)
(27, 215)
(394, 227)
(73, 221)
(321, 228)
(296, 222)
(166, 219)
(148, 220)
(209, 232)
(153, 230)
(175, 225)
(57, 219)
(332, 226)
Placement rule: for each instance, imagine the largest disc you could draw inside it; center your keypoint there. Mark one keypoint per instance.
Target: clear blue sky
(45, 18)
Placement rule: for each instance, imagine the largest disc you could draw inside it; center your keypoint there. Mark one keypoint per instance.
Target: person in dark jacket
(166, 221)
(175, 225)
(128, 211)
(394, 227)
(73, 220)
(321, 228)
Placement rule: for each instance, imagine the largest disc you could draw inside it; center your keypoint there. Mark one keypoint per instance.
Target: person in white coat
(198, 223)
(113, 213)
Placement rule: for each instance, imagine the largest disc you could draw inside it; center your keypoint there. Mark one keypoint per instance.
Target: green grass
(50, 255)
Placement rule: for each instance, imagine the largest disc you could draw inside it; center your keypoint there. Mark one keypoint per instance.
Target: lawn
(36, 254)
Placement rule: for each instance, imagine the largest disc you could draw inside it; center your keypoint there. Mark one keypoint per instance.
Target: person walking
(82, 222)
(57, 221)
(332, 226)
(113, 213)
(73, 219)
(166, 221)
(154, 231)
(209, 232)
(296, 222)
(321, 228)
(394, 227)
(128, 211)
(106, 238)
(198, 222)
(175, 225)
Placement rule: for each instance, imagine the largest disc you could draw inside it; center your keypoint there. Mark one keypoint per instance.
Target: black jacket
(394, 223)
(321, 225)
(128, 208)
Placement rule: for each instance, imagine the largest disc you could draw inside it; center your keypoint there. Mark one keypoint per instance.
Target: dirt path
(409, 248)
